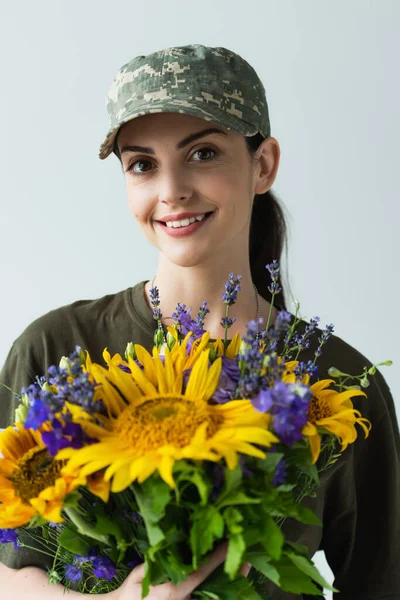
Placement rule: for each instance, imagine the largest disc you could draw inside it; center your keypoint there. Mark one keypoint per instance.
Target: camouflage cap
(214, 84)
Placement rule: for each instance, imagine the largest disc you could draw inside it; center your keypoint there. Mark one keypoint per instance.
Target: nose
(174, 187)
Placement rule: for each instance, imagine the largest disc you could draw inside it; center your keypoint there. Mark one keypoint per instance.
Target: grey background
(331, 72)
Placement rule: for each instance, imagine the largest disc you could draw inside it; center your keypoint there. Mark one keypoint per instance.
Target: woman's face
(177, 164)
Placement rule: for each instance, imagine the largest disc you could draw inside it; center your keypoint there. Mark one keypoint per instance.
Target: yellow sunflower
(331, 410)
(152, 422)
(30, 479)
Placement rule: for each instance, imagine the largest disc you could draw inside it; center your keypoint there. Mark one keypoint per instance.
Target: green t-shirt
(359, 497)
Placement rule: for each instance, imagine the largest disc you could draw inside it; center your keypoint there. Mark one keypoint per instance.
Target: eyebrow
(187, 140)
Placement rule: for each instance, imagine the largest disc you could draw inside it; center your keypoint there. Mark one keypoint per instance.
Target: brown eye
(140, 166)
(205, 154)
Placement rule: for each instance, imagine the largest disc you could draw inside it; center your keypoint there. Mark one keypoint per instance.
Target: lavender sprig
(274, 288)
(229, 297)
(159, 336)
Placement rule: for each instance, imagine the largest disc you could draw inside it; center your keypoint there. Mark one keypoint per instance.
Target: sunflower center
(36, 471)
(319, 408)
(164, 420)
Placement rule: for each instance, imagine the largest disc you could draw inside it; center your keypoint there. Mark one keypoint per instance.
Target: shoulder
(89, 323)
(69, 317)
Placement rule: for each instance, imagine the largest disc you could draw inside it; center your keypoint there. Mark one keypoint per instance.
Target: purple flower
(280, 473)
(280, 327)
(73, 572)
(226, 322)
(103, 567)
(307, 368)
(201, 315)
(64, 436)
(228, 380)
(185, 324)
(250, 362)
(71, 384)
(155, 303)
(39, 412)
(288, 404)
(274, 269)
(326, 334)
(8, 536)
(232, 288)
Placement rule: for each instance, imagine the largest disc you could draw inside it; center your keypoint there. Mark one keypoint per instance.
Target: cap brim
(213, 113)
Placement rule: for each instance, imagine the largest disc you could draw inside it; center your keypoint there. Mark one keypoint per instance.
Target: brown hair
(268, 233)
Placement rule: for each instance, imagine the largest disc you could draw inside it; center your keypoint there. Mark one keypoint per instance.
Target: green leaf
(292, 579)
(197, 478)
(260, 561)
(208, 526)
(308, 567)
(299, 548)
(306, 516)
(286, 487)
(233, 478)
(234, 558)
(270, 463)
(152, 496)
(236, 498)
(106, 526)
(272, 538)
(219, 586)
(73, 542)
(233, 517)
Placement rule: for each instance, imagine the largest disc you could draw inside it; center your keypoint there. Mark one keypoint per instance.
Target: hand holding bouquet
(160, 457)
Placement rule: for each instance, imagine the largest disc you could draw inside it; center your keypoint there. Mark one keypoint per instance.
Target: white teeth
(185, 222)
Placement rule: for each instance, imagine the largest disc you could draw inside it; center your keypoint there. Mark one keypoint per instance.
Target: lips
(181, 216)
(185, 230)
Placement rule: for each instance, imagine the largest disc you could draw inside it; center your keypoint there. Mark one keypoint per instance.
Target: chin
(188, 257)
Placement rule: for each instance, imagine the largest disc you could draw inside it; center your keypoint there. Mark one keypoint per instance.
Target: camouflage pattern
(214, 84)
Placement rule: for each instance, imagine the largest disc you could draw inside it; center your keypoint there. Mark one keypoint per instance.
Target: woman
(190, 126)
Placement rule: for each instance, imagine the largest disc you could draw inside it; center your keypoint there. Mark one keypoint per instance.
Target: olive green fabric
(359, 498)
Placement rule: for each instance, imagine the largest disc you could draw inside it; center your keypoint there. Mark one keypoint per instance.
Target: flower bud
(130, 351)
(25, 400)
(333, 372)
(364, 382)
(158, 338)
(170, 341)
(21, 413)
(64, 363)
(212, 355)
(372, 370)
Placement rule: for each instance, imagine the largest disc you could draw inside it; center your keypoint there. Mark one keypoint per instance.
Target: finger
(214, 560)
(245, 569)
(137, 574)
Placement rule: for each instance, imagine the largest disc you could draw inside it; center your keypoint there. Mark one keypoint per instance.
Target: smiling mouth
(206, 215)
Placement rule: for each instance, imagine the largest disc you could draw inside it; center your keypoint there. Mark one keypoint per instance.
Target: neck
(194, 285)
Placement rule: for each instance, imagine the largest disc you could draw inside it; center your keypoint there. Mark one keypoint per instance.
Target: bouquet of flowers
(158, 457)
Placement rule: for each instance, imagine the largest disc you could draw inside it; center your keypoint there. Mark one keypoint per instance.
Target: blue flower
(280, 473)
(288, 404)
(155, 303)
(8, 536)
(274, 269)
(228, 380)
(232, 288)
(103, 567)
(73, 572)
(64, 436)
(38, 413)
